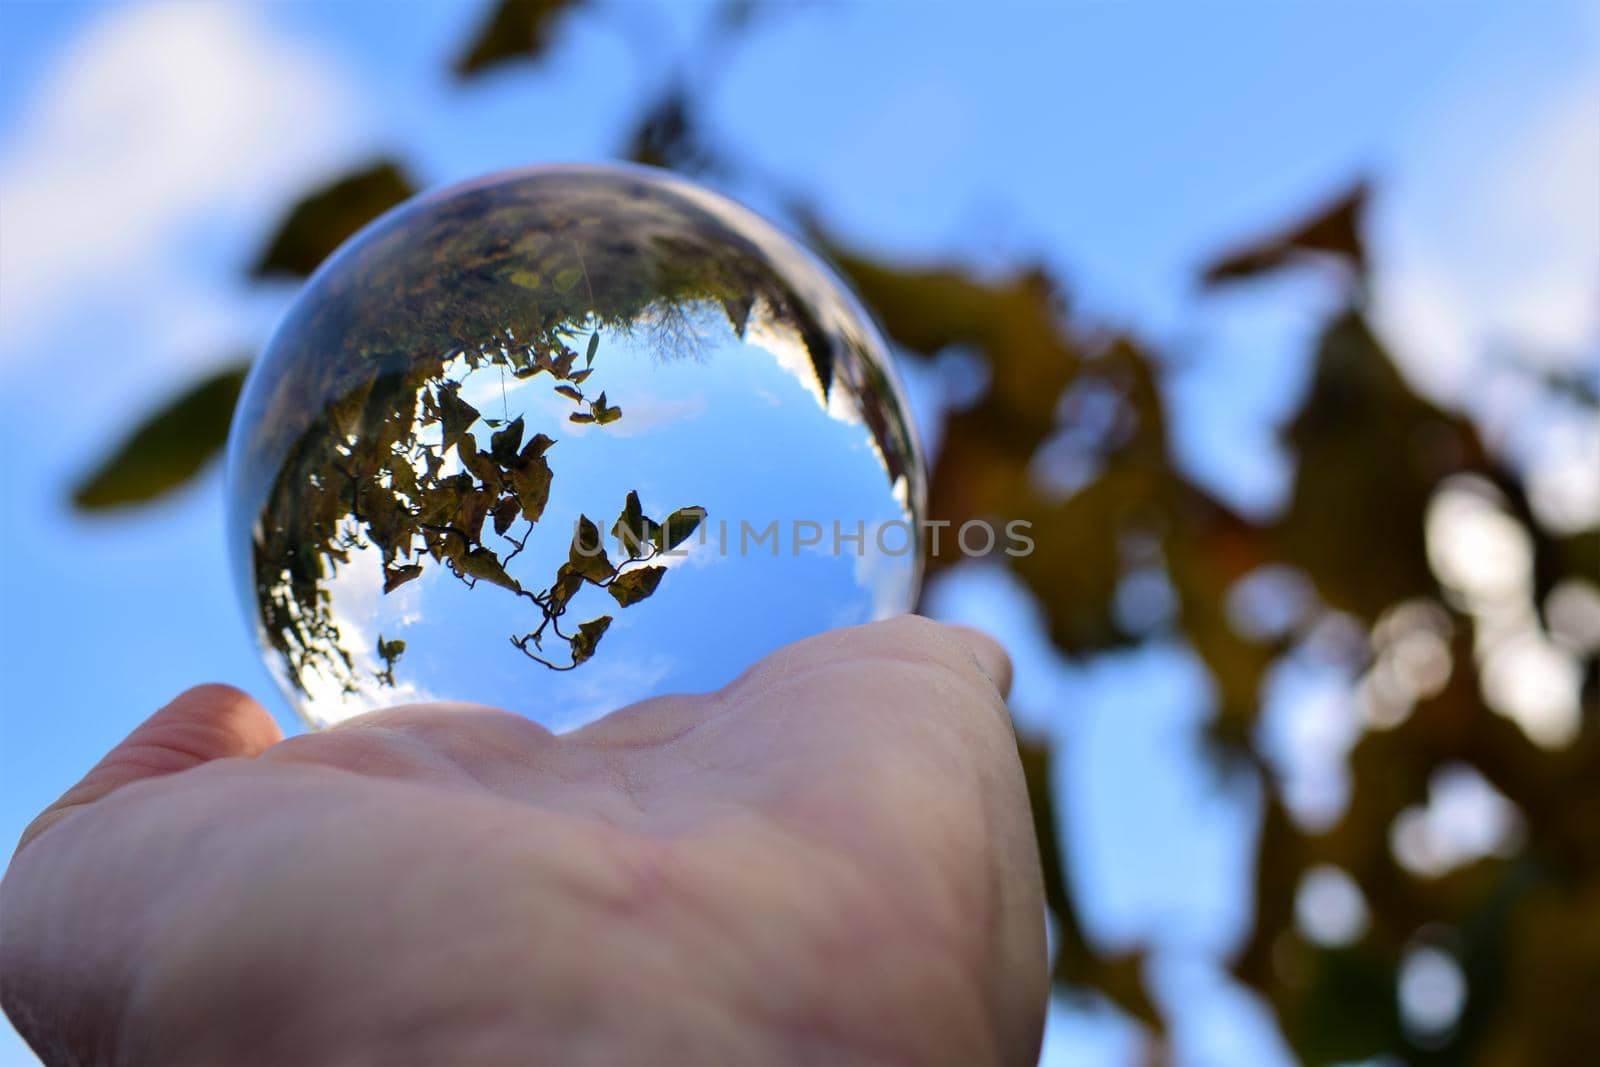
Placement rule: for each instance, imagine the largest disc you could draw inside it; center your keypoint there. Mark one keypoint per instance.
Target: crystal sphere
(561, 439)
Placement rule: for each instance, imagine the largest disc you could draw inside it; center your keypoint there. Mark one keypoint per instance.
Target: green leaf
(569, 392)
(395, 577)
(483, 563)
(580, 416)
(679, 526)
(594, 346)
(587, 556)
(168, 448)
(327, 217)
(516, 30)
(630, 587)
(566, 278)
(578, 377)
(588, 636)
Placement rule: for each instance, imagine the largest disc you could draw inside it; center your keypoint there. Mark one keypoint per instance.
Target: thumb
(206, 723)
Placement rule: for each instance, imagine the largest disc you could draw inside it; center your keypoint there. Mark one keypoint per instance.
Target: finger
(460, 744)
(893, 659)
(891, 745)
(209, 722)
(987, 653)
(863, 654)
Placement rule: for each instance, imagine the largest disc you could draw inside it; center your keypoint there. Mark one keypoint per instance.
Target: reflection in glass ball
(562, 439)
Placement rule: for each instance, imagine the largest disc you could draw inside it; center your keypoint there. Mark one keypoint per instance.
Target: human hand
(831, 859)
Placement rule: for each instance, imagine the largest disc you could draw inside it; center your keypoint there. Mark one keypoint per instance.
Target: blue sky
(146, 149)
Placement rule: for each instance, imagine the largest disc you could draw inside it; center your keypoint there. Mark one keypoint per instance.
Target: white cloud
(163, 130)
(1489, 237)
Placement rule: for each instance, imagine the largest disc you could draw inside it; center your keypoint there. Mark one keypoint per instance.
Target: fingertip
(989, 654)
(937, 639)
(230, 721)
(208, 722)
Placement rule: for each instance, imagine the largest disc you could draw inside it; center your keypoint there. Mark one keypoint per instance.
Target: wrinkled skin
(829, 860)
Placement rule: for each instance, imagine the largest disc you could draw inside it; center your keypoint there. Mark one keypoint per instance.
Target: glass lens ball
(561, 439)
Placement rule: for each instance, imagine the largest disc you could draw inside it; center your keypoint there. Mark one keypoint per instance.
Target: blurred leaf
(516, 30)
(168, 448)
(1549, 1010)
(737, 14)
(667, 135)
(1334, 230)
(630, 587)
(1351, 1007)
(1370, 453)
(325, 218)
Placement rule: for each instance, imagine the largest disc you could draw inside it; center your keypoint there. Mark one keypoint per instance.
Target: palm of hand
(829, 859)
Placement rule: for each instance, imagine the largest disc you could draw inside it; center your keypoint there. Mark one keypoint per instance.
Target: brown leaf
(516, 30)
(505, 513)
(567, 583)
(530, 478)
(630, 587)
(1370, 454)
(633, 528)
(1334, 230)
(483, 563)
(395, 577)
(328, 216)
(588, 636)
(587, 556)
(168, 448)
(680, 525)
